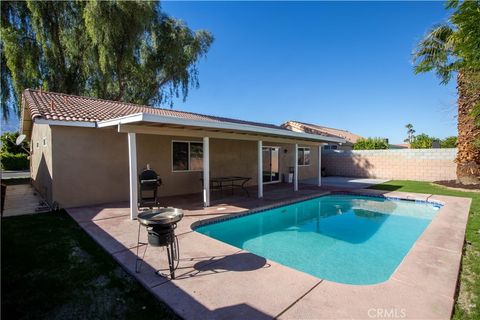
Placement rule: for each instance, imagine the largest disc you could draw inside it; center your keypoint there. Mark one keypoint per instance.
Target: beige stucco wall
(227, 158)
(41, 160)
(287, 160)
(90, 165)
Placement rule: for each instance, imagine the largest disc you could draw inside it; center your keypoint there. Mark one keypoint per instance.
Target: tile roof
(65, 107)
(321, 130)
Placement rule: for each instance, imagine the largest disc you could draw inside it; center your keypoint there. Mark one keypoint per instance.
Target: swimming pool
(343, 238)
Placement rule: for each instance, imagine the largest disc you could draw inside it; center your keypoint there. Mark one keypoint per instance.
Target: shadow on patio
(214, 280)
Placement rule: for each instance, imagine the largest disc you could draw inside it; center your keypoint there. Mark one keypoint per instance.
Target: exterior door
(271, 167)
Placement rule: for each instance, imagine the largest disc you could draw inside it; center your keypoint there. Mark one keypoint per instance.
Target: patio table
(230, 182)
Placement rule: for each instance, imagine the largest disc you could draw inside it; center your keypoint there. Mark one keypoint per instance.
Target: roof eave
(147, 117)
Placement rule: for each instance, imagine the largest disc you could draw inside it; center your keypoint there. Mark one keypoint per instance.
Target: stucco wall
(407, 164)
(287, 160)
(90, 166)
(41, 160)
(227, 158)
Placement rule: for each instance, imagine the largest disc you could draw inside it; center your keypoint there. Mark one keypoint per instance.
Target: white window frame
(310, 150)
(184, 141)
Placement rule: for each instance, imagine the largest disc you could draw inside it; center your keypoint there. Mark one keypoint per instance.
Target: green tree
(410, 133)
(449, 142)
(8, 141)
(120, 50)
(13, 157)
(454, 48)
(422, 141)
(370, 144)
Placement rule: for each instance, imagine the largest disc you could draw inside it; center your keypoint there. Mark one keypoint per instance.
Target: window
(330, 147)
(303, 156)
(44, 142)
(187, 156)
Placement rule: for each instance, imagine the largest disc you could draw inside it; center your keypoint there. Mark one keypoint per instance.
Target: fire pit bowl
(161, 216)
(160, 224)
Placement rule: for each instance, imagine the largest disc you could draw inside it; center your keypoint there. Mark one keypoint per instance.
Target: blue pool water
(343, 238)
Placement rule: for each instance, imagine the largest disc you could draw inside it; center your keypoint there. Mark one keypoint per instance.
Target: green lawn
(468, 302)
(51, 269)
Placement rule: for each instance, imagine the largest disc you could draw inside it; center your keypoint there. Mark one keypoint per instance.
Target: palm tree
(410, 132)
(449, 49)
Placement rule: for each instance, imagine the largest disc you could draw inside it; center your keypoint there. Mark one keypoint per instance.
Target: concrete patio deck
(346, 182)
(217, 281)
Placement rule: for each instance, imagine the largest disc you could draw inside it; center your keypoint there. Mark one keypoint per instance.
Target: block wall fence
(402, 164)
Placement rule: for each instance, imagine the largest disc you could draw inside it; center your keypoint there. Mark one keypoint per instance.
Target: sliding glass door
(271, 168)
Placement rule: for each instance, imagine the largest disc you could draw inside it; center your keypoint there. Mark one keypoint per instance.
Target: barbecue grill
(149, 183)
(160, 224)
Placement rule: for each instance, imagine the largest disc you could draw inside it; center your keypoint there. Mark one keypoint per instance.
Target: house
(88, 151)
(349, 137)
(399, 146)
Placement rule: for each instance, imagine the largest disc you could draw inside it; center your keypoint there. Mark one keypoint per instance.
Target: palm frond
(436, 52)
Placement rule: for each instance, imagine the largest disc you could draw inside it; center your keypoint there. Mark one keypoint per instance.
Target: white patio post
(260, 169)
(295, 169)
(319, 183)
(132, 165)
(206, 172)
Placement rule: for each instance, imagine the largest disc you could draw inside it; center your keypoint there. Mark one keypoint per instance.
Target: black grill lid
(161, 216)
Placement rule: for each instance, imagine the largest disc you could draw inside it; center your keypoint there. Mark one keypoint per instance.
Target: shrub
(449, 142)
(371, 144)
(12, 161)
(422, 141)
(8, 143)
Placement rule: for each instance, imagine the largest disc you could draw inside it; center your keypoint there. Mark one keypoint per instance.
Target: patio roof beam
(319, 182)
(206, 172)
(132, 165)
(260, 169)
(199, 132)
(295, 169)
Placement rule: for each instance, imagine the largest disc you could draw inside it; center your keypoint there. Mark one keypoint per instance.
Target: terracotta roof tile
(59, 106)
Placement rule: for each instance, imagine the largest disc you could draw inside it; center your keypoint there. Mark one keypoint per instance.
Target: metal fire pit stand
(160, 224)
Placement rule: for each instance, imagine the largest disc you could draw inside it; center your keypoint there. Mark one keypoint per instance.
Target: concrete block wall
(402, 164)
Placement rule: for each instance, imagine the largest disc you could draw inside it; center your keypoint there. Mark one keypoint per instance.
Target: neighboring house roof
(400, 146)
(72, 109)
(351, 138)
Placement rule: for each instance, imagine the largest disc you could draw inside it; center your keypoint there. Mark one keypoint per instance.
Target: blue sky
(343, 64)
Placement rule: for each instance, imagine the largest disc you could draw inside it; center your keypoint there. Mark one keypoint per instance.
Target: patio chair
(149, 182)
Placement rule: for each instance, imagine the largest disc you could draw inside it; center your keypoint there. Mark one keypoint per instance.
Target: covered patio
(203, 150)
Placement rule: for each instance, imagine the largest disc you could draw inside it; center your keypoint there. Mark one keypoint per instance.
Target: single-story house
(350, 138)
(87, 151)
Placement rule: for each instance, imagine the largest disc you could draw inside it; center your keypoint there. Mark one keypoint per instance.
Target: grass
(51, 269)
(467, 305)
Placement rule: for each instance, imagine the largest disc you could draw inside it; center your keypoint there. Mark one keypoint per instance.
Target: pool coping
(205, 222)
(437, 287)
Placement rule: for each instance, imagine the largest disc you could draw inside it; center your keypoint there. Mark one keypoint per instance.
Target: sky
(345, 65)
